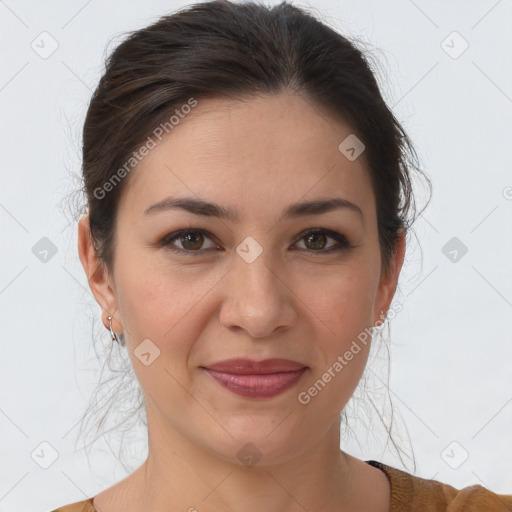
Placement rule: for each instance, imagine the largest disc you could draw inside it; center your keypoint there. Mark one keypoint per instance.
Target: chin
(256, 443)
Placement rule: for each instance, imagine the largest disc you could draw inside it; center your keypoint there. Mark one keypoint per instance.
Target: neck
(180, 475)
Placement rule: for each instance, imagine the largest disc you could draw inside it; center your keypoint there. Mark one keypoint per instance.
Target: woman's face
(254, 285)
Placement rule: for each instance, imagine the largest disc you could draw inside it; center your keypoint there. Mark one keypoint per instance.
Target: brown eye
(192, 240)
(315, 241)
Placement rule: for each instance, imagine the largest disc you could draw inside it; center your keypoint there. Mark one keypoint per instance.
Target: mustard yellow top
(408, 494)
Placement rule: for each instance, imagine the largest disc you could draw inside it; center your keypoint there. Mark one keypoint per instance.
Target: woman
(248, 199)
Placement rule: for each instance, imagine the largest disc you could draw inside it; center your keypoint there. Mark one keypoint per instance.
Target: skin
(258, 156)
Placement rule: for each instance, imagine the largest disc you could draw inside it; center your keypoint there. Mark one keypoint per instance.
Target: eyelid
(343, 243)
(167, 240)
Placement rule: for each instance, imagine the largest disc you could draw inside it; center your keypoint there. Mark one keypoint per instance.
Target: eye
(192, 241)
(316, 241)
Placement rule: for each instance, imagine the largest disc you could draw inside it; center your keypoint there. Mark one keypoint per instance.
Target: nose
(258, 299)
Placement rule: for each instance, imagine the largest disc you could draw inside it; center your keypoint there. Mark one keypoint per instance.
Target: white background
(451, 351)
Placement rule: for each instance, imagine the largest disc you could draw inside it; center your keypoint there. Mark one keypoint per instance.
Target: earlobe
(95, 270)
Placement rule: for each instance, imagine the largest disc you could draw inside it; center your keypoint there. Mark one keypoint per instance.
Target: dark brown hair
(237, 51)
(233, 50)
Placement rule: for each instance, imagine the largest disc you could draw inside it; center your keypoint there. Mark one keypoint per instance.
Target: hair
(221, 49)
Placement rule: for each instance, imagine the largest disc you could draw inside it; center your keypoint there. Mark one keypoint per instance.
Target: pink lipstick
(257, 379)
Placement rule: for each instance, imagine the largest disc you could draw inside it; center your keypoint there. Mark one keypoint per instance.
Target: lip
(251, 367)
(257, 379)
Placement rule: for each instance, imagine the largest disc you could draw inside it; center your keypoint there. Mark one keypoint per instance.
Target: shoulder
(409, 492)
(79, 506)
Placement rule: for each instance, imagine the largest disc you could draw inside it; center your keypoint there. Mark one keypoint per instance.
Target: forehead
(257, 153)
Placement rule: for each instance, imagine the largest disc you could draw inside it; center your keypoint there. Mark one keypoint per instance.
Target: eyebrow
(201, 207)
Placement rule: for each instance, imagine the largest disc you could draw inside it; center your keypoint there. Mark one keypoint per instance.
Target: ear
(97, 275)
(389, 280)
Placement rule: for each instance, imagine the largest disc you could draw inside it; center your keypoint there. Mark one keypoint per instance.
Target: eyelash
(343, 243)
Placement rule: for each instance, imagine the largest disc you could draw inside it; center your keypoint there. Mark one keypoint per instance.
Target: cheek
(343, 308)
(162, 303)
(342, 299)
(162, 308)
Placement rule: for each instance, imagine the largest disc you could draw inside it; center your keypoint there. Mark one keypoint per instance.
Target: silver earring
(112, 333)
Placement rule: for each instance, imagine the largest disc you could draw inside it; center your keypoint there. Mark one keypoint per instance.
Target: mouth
(256, 379)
